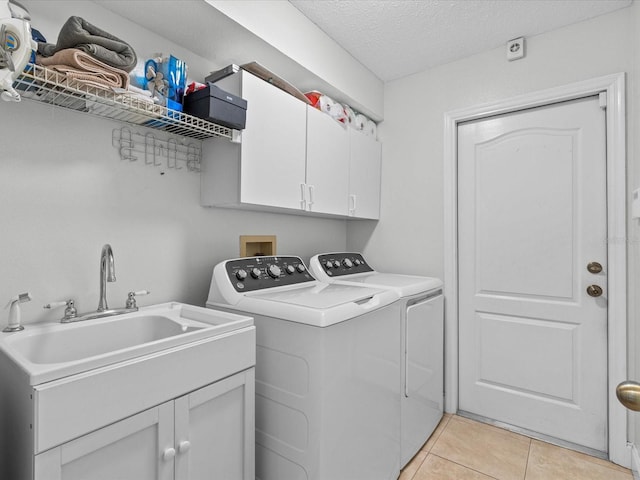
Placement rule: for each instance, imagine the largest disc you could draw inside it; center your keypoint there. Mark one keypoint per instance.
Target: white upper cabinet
(327, 164)
(267, 167)
(364, 176)
(291, 158)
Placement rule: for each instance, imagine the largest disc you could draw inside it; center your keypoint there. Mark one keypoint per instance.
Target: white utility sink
(54, 350)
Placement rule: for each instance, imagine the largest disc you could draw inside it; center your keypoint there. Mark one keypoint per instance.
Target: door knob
(594, 267)
(594, 290)
(628, 394)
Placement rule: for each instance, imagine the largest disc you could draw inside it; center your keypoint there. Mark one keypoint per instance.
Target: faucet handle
(131, 298)
(70, 310)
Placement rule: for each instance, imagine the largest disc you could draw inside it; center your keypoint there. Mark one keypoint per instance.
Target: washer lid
(318, 296)
(318, 305)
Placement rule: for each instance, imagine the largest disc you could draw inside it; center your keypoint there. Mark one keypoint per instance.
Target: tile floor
(463, 449)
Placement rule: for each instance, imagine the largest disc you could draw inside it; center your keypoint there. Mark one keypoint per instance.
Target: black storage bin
(217, 106)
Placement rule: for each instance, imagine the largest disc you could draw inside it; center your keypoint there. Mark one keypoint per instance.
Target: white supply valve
(131, 298)
(69, 312)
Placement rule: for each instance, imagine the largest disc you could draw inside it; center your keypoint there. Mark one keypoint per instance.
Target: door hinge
(603, 100)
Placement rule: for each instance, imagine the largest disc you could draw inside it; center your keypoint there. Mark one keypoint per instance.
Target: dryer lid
(405, 285)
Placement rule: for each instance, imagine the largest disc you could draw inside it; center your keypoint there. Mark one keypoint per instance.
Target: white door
(365, 165)
(215, 430)
(532, 217)
(137, 448)
(327, 164)
(273, 145)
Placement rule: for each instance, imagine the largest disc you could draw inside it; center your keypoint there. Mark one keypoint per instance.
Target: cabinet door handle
(184, 446)
(169, 454)
(303, 196)
(311, 201)
(352, 209)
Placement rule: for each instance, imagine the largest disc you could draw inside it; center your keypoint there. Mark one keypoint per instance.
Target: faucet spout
(107, 274)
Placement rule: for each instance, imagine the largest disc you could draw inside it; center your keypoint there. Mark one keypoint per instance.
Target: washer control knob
(290, 269)
(347, 263)
(336, 264)
(328, 265)
(274, 271)
(301, 268)
(255, 272)
(241, 274)
(357, 262)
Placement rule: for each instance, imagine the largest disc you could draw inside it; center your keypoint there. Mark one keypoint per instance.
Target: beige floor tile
(483, 448)
(412, 467)
(436, 468)
(436, 433)
(548, 461)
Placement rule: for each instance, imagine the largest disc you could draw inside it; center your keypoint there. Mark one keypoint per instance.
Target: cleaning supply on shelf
(16, 47)
(166, 79)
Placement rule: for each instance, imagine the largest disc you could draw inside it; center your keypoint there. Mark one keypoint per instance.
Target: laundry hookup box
(217, 106)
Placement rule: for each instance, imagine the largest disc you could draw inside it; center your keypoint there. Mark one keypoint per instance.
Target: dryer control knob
(274, 271)
(336, 264)
(347, 263)
(328, 265)
(357, 262)
(301, 268)
(290, 269)
(241, 274)
(255, 272)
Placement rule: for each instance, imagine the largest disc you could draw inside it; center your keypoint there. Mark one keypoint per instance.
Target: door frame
(612, 88)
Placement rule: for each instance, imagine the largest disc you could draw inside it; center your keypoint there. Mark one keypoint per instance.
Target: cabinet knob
(184, 446)
(168, 454)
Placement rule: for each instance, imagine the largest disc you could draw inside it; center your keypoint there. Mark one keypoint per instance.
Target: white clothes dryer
(422, 324)
(327, 370)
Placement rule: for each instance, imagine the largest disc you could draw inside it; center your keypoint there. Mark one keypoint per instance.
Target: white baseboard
(635, 462)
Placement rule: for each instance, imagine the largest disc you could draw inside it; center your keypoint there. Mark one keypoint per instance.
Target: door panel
(127, 450)
(532, 215)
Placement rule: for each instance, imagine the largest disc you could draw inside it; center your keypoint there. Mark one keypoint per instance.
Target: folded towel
(79, 66)
(78, 33)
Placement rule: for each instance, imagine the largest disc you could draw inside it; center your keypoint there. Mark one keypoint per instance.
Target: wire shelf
(48, 86)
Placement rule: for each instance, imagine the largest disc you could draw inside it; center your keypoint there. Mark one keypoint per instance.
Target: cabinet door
(137, 448)
(364, 176)
(215, 431)
(327, 164)
(273, 146)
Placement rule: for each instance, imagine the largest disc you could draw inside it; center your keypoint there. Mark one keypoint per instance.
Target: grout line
(526, 465)
(464, 466)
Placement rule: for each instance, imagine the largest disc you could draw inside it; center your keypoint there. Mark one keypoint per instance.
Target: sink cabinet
(130, 418)
(204, 434)
(290, 158)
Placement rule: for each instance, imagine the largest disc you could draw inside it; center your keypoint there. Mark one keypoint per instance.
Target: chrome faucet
(107, 274)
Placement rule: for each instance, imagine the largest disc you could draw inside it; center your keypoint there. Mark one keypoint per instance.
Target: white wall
(413, 130)
(64, 192)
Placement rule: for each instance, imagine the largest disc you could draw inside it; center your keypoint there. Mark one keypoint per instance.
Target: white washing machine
(422, 324)
(327, 370)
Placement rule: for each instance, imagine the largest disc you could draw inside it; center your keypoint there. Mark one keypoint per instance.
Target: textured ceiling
(395, 38)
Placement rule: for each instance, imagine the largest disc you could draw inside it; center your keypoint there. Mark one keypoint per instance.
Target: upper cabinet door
(364, 176)
(273, 146)
(327, 164)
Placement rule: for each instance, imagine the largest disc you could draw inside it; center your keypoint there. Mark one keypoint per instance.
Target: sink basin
(53, 350)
